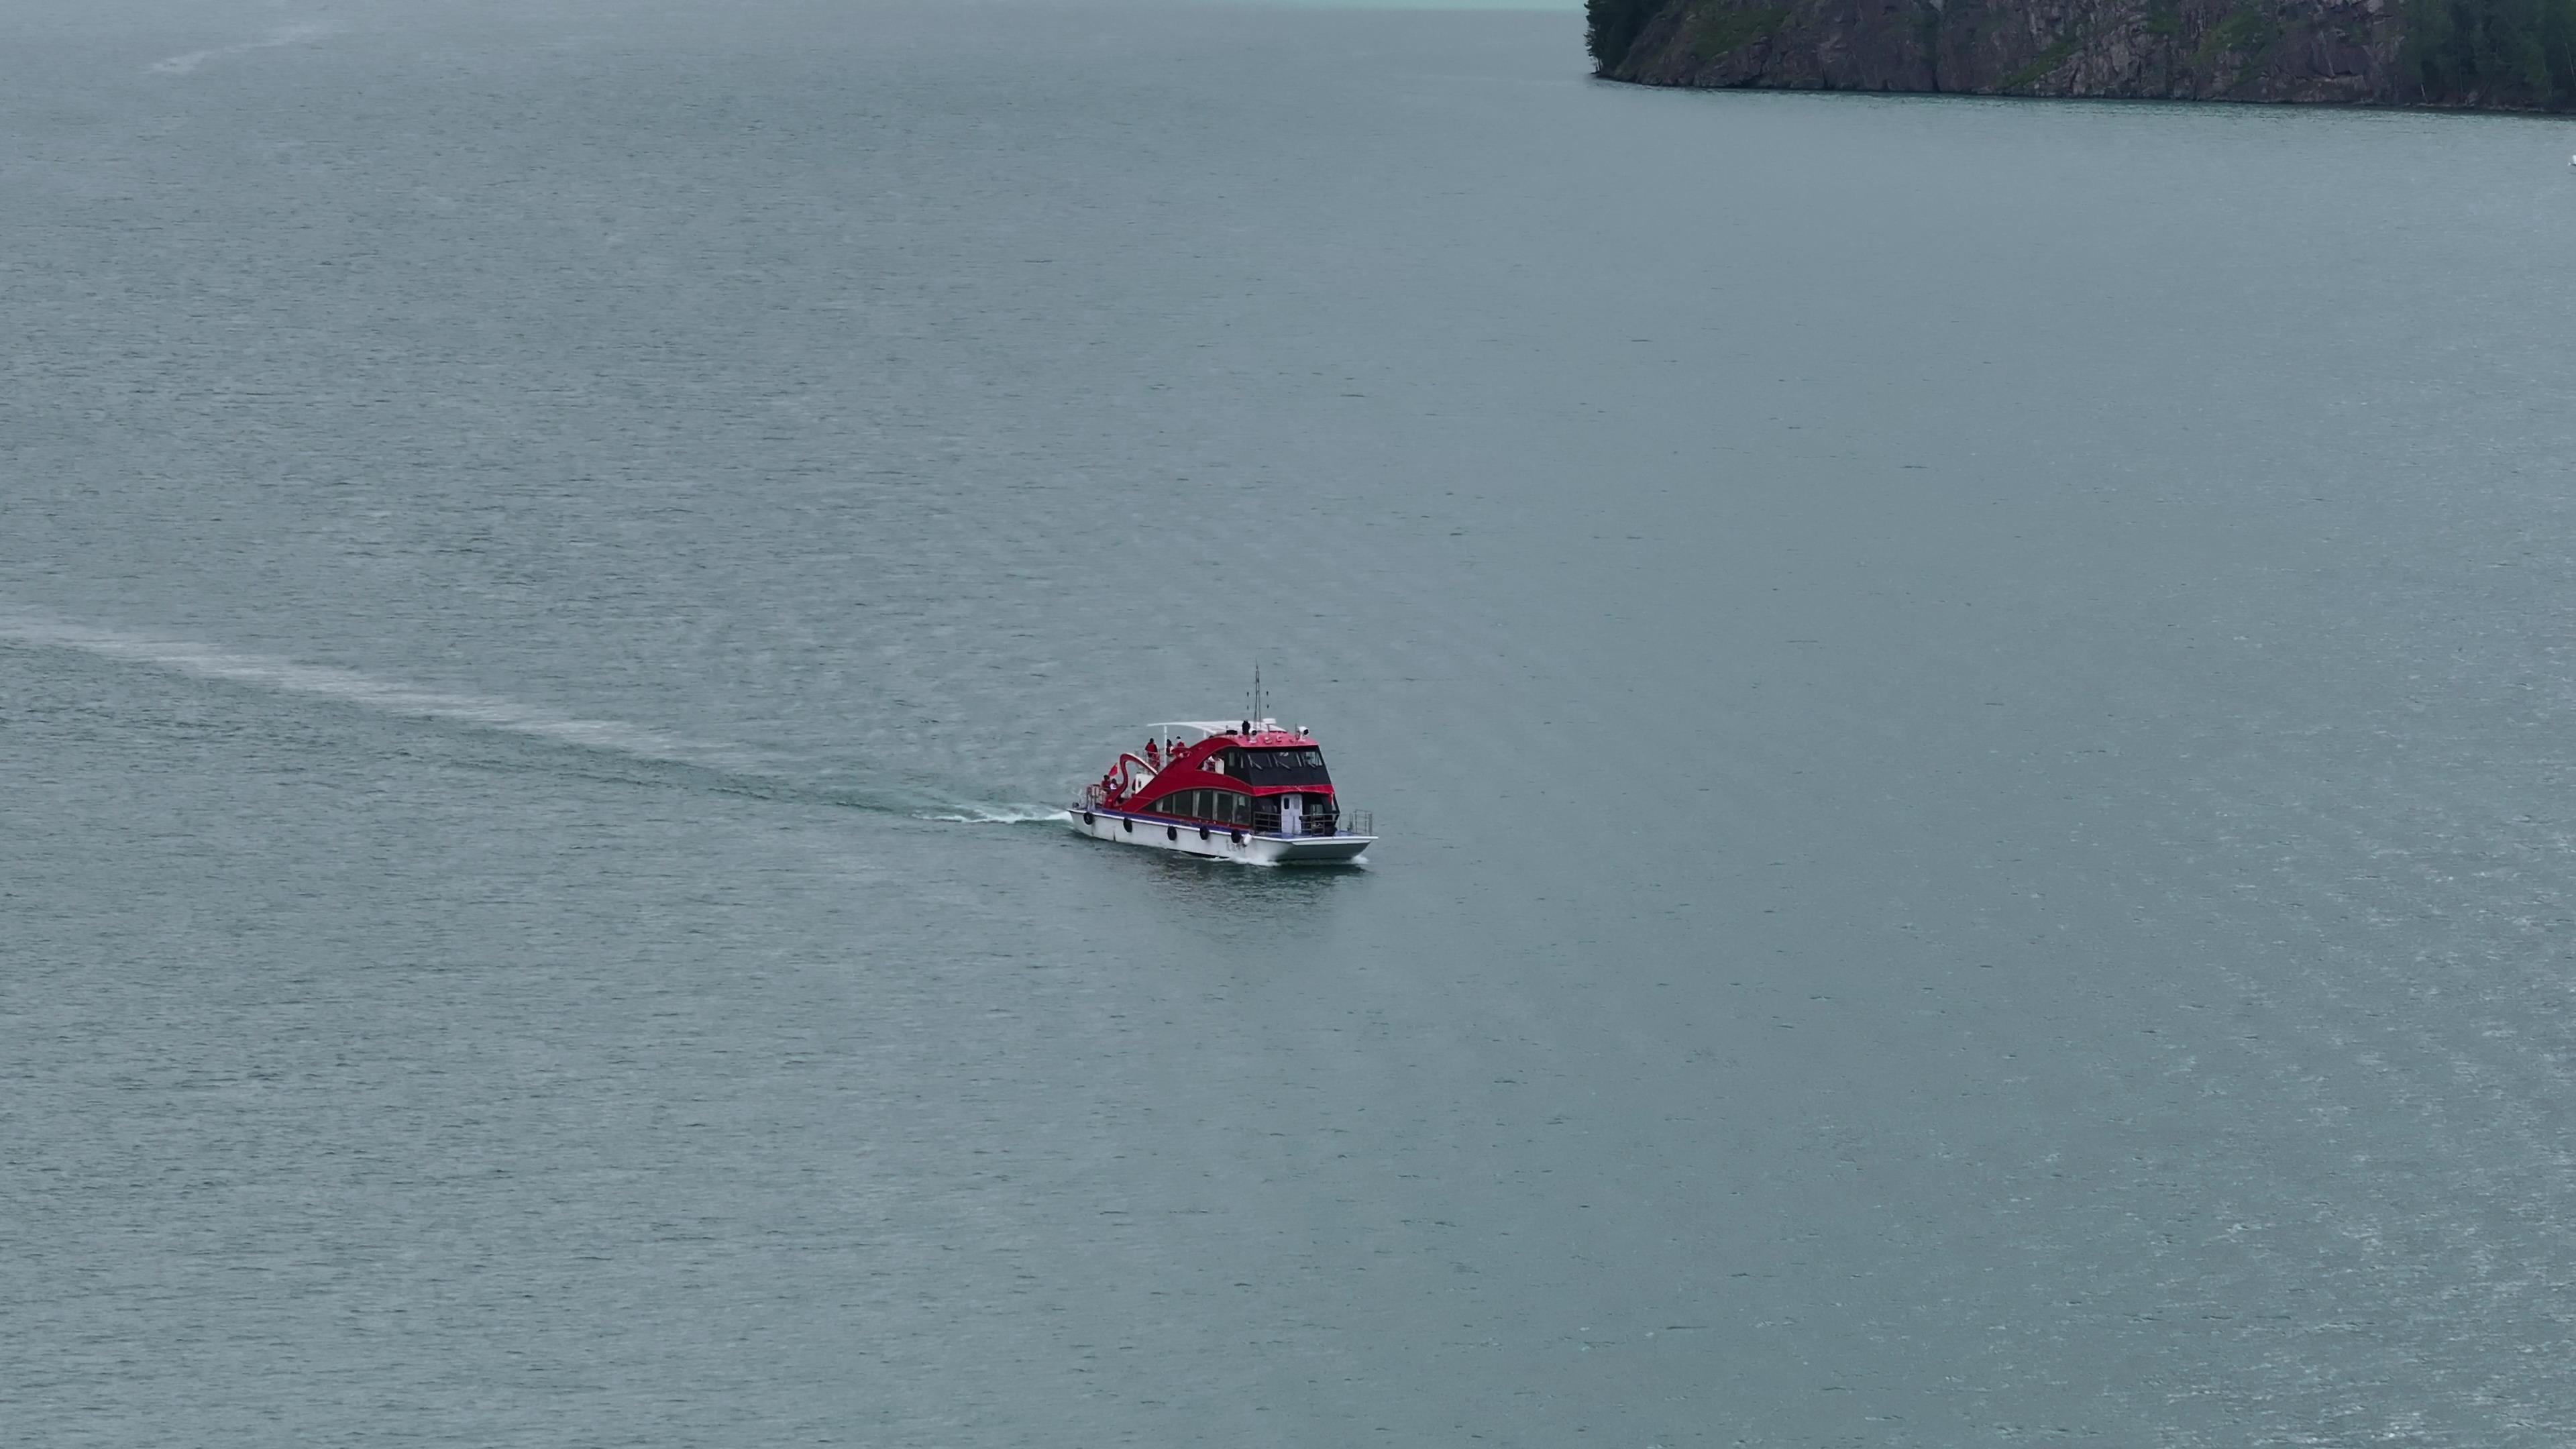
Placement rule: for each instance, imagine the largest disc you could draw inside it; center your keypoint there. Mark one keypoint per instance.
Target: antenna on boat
(1256, 694)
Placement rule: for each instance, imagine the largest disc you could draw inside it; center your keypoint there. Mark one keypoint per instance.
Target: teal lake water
(1969, 704)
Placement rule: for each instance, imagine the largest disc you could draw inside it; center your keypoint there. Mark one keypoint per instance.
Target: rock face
(2284, 50)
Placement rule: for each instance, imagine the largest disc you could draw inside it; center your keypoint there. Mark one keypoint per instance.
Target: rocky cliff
(2243, 50)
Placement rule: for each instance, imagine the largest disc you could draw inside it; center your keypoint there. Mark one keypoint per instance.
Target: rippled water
(1968, 703)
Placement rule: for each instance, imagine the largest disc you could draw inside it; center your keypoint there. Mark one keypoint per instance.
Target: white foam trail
(997, 815)
(203, 662)
(285, 35)
(730, 763)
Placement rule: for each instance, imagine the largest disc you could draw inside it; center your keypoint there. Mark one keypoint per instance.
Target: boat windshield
(1303, 766)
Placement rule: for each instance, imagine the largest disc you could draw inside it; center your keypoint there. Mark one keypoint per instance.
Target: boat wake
(1013, 815)
(284, 35)
(665, 758)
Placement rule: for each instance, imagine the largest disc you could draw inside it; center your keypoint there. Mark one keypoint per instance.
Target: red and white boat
(1231, 789)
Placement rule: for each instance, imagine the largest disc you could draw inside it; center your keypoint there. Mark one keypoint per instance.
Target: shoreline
(2420, 108)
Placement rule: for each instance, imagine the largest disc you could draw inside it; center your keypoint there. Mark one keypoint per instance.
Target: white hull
(1217, 842)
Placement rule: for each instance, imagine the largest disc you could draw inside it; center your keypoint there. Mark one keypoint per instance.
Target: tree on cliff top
(1611, 27)
(2492, 52)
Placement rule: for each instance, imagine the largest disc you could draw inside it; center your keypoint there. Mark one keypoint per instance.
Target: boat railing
(1347, 822)
(1260, 822)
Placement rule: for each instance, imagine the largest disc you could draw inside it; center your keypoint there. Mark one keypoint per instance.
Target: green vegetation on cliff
(1611, 26)
(2492, 52)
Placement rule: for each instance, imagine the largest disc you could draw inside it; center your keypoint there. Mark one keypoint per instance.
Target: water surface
(1968, 701)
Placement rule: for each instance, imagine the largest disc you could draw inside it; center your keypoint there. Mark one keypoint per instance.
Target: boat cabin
(1249, 776)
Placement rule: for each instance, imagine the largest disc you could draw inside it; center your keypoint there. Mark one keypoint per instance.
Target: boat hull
(1215, 842)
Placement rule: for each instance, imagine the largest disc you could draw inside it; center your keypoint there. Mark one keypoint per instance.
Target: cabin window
(1279, 767)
